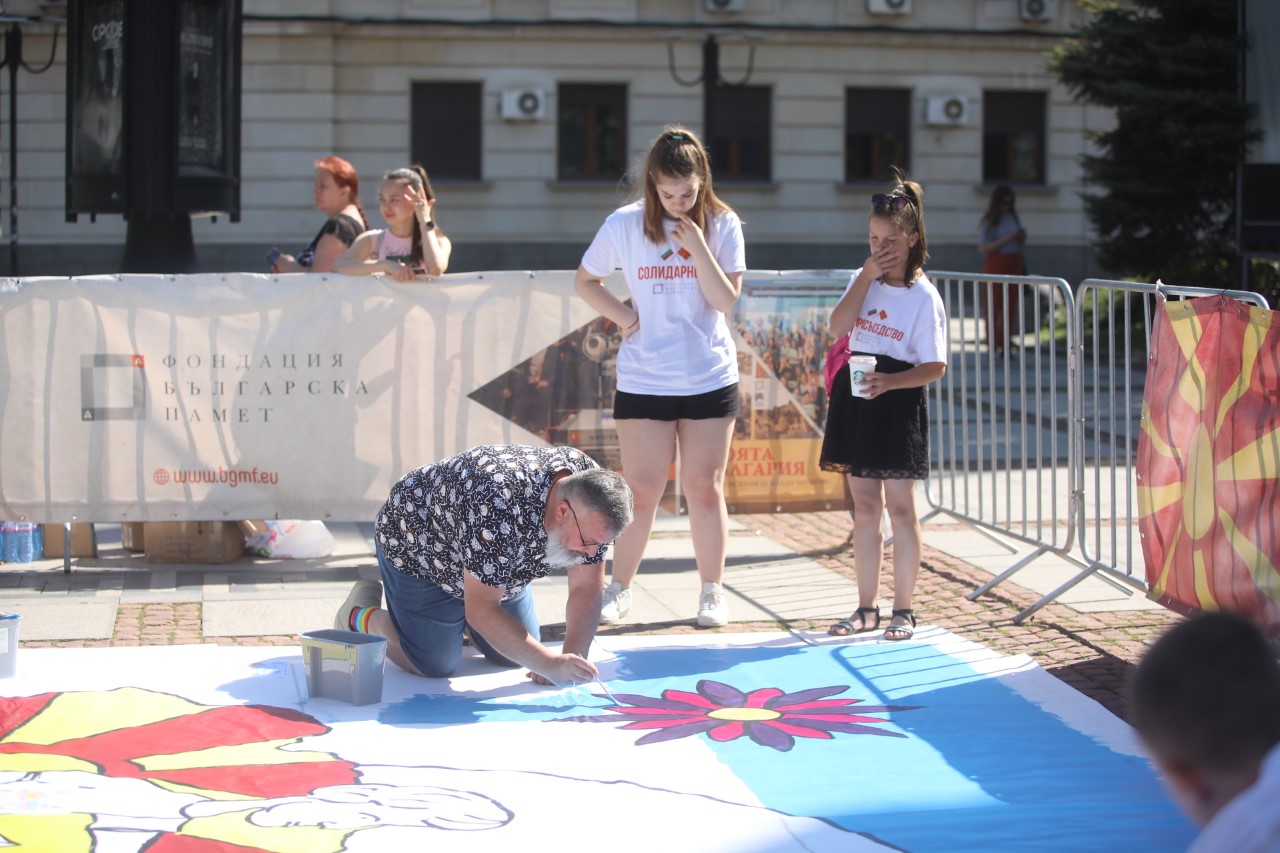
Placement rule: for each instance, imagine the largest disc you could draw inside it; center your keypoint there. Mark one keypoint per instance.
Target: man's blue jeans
(429, 621)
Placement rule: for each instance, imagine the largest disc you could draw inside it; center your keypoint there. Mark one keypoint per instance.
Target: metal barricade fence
(1113, 323)
(1003, 421)
(1034, 427)
(1000, 430)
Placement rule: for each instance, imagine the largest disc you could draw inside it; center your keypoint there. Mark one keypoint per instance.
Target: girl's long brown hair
(995, 207)
(908, 218)
(416, 176)
(678, 153)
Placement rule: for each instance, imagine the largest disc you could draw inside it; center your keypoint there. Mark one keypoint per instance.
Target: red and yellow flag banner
(1209, 460)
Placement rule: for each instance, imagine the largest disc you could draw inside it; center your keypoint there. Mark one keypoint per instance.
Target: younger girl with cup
(878, 432)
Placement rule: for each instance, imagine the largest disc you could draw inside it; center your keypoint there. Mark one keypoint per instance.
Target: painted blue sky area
(980, 767)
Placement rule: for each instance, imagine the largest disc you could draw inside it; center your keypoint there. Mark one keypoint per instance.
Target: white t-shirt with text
(683, 346)
(906, 323)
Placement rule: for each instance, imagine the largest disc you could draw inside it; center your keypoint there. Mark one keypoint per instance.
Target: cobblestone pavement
(1092, 652)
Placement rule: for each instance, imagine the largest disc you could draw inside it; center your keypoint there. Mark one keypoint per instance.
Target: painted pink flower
(767, 716)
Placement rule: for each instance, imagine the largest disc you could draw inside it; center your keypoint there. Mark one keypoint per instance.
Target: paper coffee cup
(860, 367)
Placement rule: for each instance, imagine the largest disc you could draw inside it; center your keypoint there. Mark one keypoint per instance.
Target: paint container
(344, 665)
(9, 643)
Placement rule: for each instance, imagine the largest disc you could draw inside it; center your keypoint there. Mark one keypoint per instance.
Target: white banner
(211, 397)
(143, 398)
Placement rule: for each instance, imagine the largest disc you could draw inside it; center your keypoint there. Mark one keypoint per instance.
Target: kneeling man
(459, 542)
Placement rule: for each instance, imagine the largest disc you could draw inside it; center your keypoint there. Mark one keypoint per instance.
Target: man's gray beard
(558, 554)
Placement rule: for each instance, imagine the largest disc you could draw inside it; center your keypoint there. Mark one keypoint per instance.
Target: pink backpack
(837, 358)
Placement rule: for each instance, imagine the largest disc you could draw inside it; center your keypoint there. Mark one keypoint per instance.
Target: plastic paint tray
(344, 665)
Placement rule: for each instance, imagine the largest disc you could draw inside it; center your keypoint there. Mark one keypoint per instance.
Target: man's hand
(566, 671)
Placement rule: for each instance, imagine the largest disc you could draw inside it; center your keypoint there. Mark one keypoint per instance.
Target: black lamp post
(710, 78)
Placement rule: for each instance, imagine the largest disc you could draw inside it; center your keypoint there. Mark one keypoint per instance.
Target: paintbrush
(606, 690)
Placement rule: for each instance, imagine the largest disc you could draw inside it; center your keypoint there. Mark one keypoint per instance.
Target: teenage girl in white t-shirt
(412, 245)
(881, 440)
(680, 249)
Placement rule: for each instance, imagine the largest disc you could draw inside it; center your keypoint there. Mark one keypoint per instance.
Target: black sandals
(902, 632)
(856, 623)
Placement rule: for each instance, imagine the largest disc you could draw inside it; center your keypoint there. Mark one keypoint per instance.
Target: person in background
(1001, 239)
(681, 251)
(458, 542)
(337, 195)
(412, 245)
(1205, 699)
(880, 438)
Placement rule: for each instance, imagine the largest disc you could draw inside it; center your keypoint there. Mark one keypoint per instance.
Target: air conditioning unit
(523, 104)
(725, 5)
(946, 110)
(1038, 10)
(889, 7)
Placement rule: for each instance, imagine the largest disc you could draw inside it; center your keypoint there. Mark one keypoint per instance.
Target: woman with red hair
(337, 195)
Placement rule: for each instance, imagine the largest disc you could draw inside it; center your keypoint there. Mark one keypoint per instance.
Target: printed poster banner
(760, 742)
(781, 325)
(143, 398)
(1209, 460)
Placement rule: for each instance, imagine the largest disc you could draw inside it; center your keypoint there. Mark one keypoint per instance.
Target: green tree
(1170, 71)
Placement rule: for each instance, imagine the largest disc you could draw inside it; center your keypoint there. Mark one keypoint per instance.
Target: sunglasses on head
(891, 203)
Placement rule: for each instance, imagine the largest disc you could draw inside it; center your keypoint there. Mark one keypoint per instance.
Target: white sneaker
(366, 593)
(616, 602)
(713, 607)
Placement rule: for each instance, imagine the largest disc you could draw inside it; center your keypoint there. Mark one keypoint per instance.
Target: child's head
(902, 208)
(1206, 700)
(677, 182)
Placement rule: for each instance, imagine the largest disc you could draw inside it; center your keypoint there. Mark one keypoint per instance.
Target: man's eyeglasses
(586, 543)
(890, 203)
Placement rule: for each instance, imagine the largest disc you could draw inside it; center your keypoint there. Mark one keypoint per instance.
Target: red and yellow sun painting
(1209, 460)
(132, 744)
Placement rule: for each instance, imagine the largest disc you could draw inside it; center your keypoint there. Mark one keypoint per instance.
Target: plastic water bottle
(10, 542)
(24, 532)
(4, 538)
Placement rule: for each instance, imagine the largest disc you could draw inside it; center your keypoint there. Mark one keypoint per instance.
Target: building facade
(528, 113)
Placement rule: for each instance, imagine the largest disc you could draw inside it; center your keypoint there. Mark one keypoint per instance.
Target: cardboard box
(193, 541)
(132, 537)
(84, 540)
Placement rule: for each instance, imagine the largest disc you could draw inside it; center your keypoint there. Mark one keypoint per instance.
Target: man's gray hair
(602, 491)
